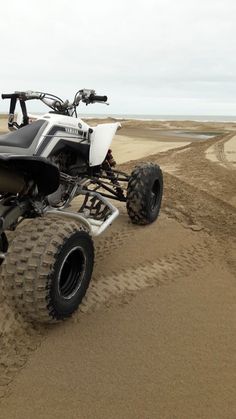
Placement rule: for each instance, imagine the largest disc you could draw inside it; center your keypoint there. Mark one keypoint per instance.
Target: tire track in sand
(125, 283)
(219, 149)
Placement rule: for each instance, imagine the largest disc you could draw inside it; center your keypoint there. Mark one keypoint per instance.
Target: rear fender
(16, 171)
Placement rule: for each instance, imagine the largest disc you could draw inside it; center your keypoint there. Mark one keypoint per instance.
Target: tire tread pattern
(28, 267)
(138, 185)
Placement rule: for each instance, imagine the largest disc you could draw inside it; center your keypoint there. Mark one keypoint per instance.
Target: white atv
(44, 165)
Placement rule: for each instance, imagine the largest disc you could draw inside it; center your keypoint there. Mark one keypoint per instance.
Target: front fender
(101, 139)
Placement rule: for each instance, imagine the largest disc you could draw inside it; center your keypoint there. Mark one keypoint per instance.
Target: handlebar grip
(95, 98)
(9, 95)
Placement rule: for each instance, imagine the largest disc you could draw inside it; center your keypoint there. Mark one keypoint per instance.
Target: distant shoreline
(161, 118)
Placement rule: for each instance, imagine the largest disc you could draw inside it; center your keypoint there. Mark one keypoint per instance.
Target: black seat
(22, 137)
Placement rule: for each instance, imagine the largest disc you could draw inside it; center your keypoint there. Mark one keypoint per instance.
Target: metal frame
(96, 213)
(93, 225)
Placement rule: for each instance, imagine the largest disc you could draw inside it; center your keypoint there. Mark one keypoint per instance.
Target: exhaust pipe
(11, 182)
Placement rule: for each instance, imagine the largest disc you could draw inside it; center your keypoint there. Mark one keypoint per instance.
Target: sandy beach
(155, 335)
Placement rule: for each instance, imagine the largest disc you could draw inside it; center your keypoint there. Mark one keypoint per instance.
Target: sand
(137, 150)
(223, 152)
(155, 334)
(3, 124)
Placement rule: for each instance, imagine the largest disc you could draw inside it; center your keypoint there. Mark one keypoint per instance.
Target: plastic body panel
(101, 139)
(58, 128)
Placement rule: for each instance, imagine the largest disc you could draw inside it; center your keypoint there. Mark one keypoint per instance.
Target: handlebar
(86, 96)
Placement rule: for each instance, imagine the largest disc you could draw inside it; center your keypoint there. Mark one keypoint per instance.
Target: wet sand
(155, 334)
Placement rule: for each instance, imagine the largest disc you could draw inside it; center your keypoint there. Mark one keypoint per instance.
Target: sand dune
(154, 336)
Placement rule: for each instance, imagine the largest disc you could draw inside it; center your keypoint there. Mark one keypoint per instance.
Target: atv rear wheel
(144, 193)
(48, 268)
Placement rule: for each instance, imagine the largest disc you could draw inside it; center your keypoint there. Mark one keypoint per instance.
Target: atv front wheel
(144, 193)
(48, 268)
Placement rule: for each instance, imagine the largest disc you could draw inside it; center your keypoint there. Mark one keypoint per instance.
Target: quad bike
(44, 166)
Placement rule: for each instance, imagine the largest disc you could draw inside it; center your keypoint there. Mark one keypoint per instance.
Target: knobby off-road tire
(48, 268)
(144, 193)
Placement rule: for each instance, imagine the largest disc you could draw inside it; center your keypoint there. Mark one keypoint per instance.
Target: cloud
(147, 56)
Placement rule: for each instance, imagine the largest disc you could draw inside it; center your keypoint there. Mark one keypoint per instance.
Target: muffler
(11, 182)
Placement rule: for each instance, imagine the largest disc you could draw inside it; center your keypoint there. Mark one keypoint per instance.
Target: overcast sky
(149, 57)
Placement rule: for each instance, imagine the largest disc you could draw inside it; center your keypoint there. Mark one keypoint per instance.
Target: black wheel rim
(72, 273)
(155, 195)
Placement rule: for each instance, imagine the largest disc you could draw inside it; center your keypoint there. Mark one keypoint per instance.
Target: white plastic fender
(101, 139)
